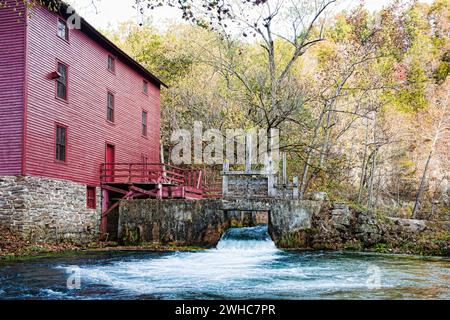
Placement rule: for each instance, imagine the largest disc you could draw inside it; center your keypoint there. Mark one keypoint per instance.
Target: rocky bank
(339, 227)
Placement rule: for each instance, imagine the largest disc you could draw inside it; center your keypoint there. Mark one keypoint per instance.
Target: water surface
(245, 265)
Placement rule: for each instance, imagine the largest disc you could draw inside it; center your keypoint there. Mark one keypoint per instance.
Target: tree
(272, 94)
(440, 119)
(357, 109)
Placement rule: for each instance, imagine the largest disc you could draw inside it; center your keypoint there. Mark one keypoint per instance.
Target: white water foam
(245, 264)
(212, 270)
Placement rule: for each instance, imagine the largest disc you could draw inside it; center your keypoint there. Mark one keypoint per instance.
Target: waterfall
(256, 239)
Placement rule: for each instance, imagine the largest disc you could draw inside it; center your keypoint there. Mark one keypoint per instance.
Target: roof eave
(96, 35)
(88, 28)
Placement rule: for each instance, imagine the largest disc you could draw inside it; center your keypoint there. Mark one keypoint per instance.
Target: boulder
(368, 229)
(320, 196)
(412, 225)
(341, 214)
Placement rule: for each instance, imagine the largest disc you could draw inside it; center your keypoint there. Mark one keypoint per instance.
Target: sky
(109, 13)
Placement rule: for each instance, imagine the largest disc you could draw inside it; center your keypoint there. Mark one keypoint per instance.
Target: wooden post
(160, 191)
(271, 181)
(199, 179)
(248, 153)
(295, 188)
(163, 160)
(105, 207)
(162, 153)
(226, 169)
(268, 165)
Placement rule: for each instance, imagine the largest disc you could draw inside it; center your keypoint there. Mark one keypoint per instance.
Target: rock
(320, 196)
(341, 206)
(412, 225)
(368, 230)
(292, 221)
(341, 214)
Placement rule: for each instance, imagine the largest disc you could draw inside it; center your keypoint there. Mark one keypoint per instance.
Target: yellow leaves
(406, 163)
(341, 29)
(325, 52)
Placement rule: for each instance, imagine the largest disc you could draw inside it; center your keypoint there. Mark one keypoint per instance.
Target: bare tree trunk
(350, 160)
(372, 179)
(309, 154)
(377, 194)
(374, 165)
(305, 174)
(364, 164)
(324, 147)
(417, 203)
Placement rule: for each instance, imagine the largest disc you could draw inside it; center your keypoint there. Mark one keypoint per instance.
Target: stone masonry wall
(42, 209)
(181, 222)
(247, 186)
(189, 222)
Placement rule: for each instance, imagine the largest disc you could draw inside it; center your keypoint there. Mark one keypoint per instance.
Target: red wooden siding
(84, 113)
(12, 80)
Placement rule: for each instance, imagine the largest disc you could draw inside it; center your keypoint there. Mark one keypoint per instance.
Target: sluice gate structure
(162, 204)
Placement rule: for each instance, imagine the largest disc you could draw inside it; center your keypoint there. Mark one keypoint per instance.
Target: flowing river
(245, 265)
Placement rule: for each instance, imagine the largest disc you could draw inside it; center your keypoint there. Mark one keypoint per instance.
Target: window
(61, 143)
(63, 30)
(144, 123)
(91, 194)
(145, 87)
(61, 82)
(111, 64)
(110, 111)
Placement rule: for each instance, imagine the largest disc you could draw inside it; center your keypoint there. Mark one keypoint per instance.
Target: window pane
(110, 100)
(91, 197)
(62, 82)
(110, 115)
(110, 107)
(62, 29)
(62, 92)
(145, 87)
(61, 136)
(62, 70)
(111, 63)
(144, 123)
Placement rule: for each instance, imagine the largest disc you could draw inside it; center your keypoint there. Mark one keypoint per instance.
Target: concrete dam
(202, 222)
(247, 198)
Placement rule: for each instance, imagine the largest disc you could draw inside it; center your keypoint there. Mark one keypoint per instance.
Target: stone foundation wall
(180, 222)
(42, 209)
(188, 222)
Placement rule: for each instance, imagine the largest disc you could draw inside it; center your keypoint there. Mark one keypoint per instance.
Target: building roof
(98, 37)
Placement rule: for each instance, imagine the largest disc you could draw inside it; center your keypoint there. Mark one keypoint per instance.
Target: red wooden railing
(151, 173)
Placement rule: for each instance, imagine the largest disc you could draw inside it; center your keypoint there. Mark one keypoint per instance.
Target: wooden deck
(124, 181)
